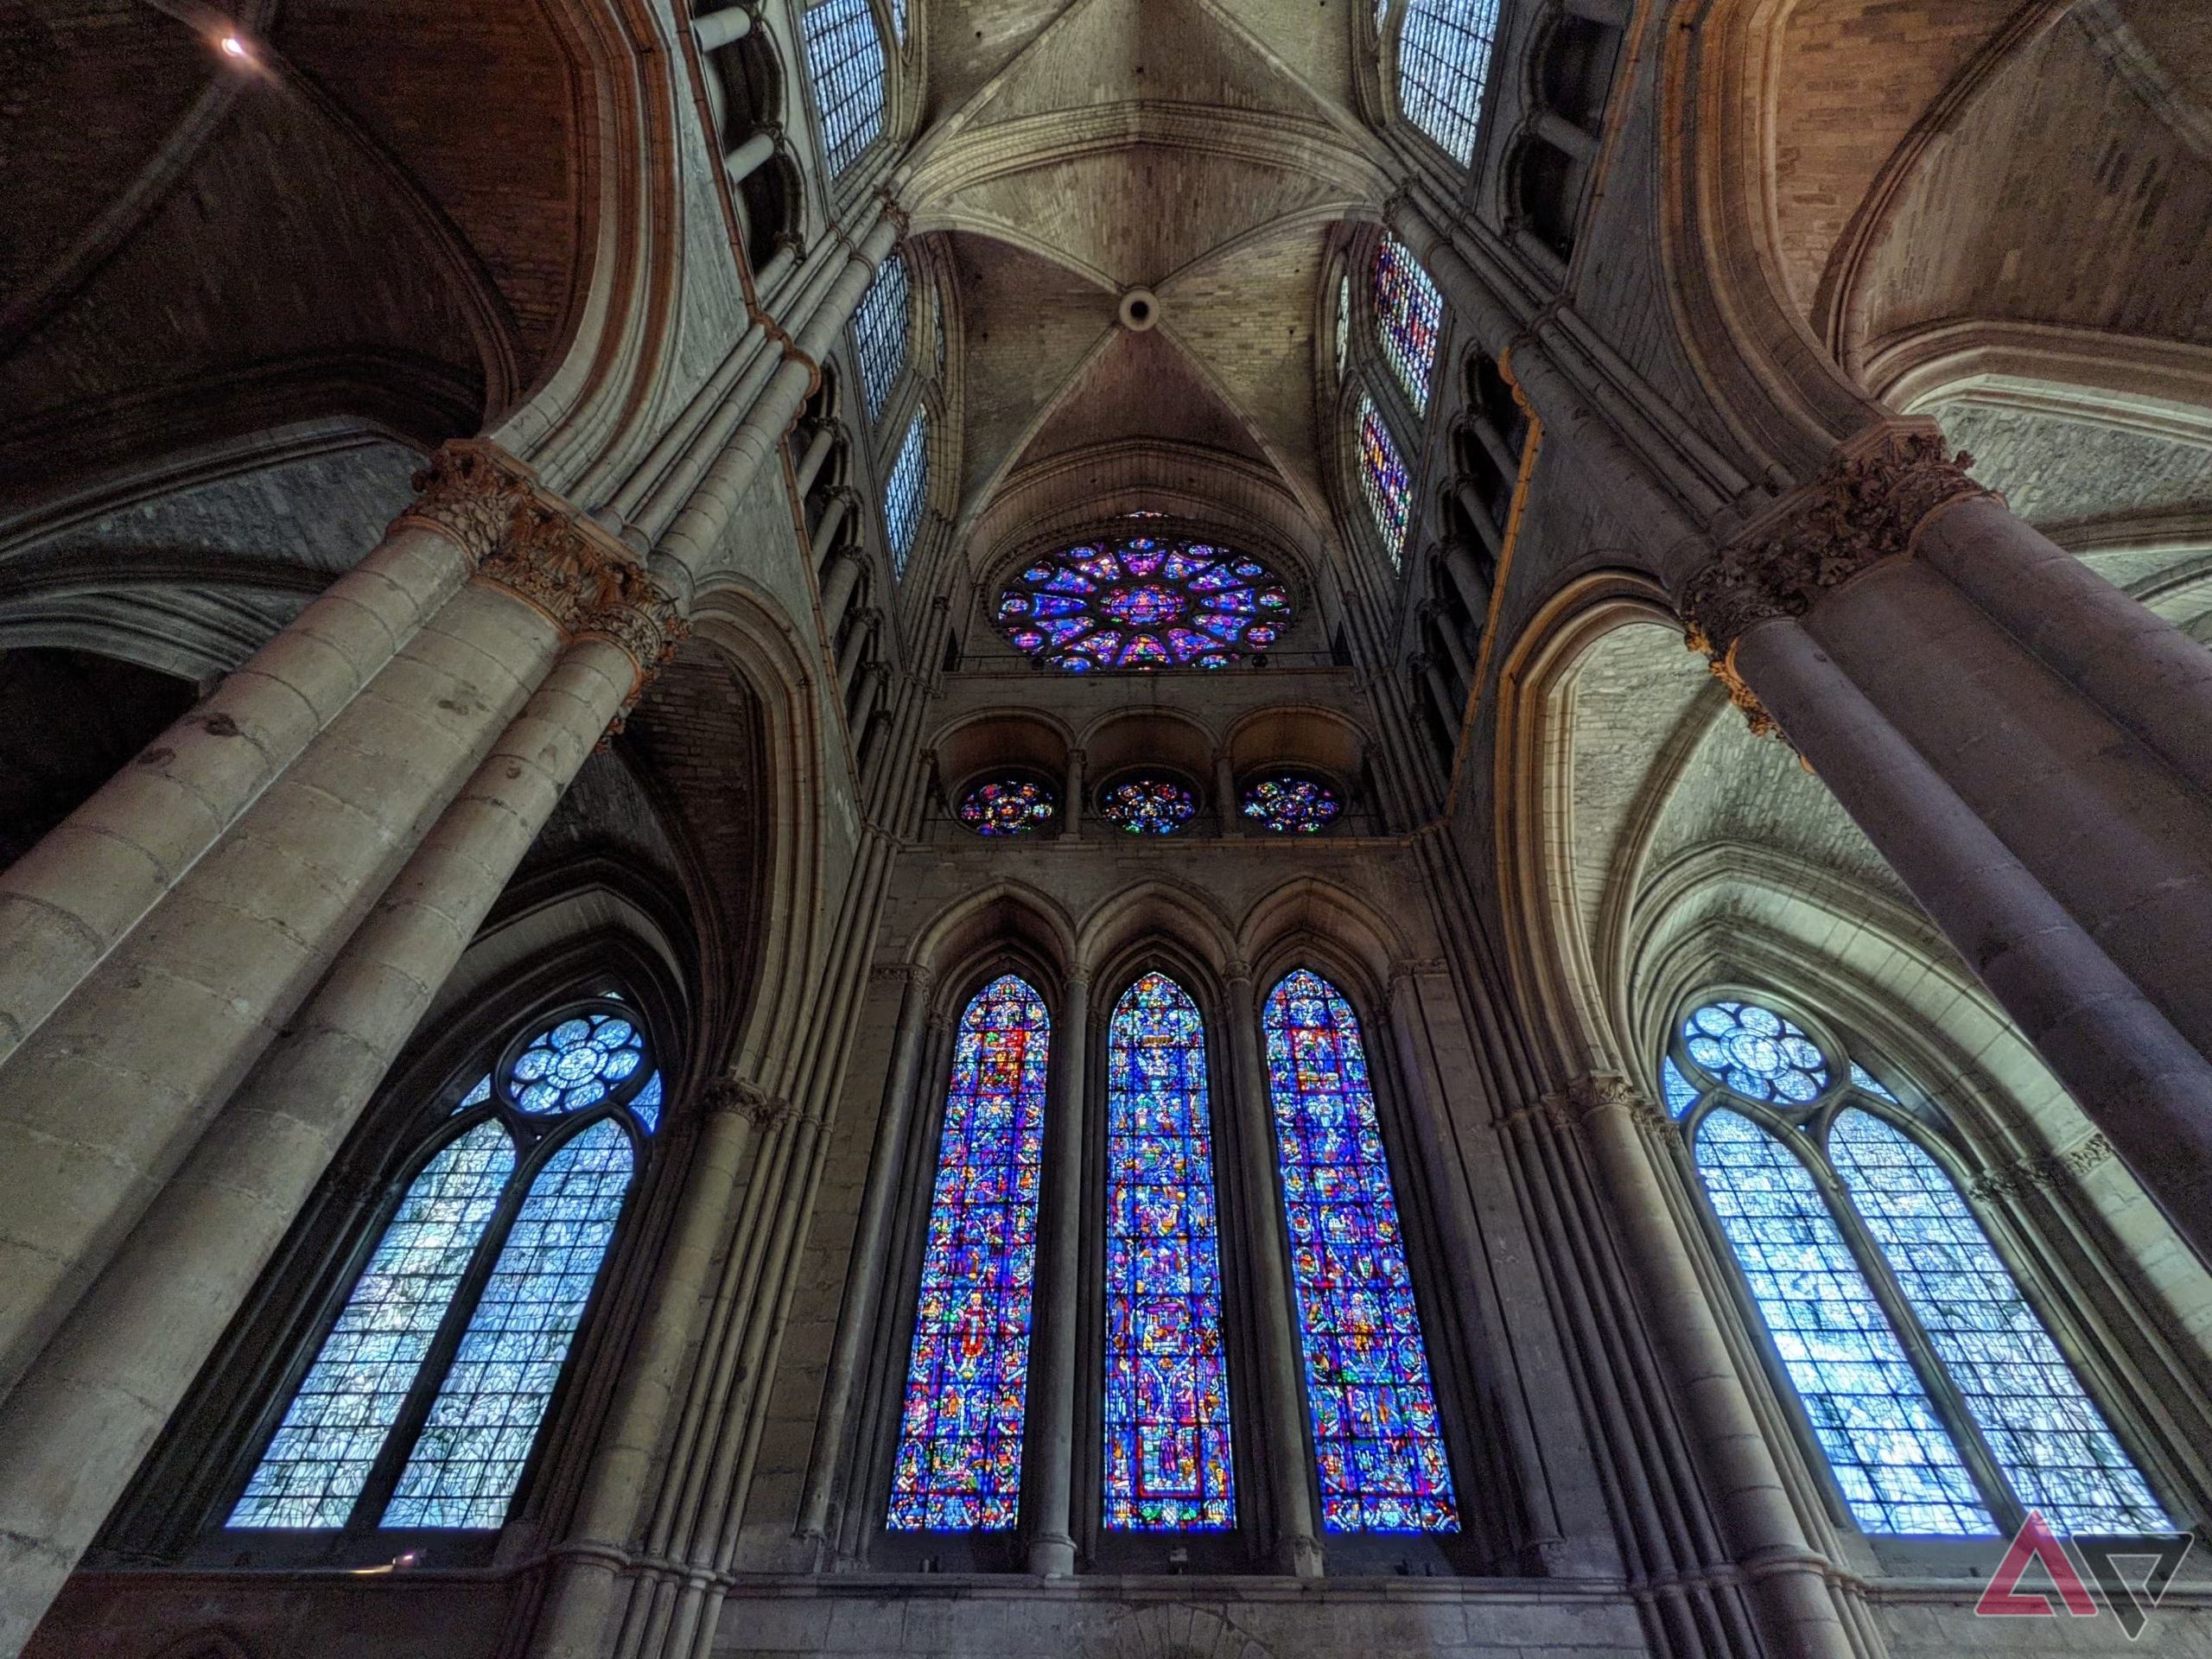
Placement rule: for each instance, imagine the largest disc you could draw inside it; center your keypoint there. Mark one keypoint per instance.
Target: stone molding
(2047, 1169)
(914, 973)
(1866, 508)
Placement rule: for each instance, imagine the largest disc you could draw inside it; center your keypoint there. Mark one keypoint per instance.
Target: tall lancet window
(880, 330)
(1932, 1386)
(844, 59)
(1377, 1436)
(421, 1405)
(1444, 48)
(1166, 1401)
(1383, 480)
(958, 1463)
(1408, 317)
(907, 490)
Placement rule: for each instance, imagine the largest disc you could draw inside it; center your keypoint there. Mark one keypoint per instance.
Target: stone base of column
(1052, 1556)
(1300, 1557)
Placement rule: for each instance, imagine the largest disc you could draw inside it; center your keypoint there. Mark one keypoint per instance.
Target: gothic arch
(1145, 918)
(1347, 939)
(1007, 914)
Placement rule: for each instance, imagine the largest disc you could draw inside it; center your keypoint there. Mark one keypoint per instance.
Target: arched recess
(957, 944)
(1652, 848)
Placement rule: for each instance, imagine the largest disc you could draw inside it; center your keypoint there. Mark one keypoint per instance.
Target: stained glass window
(903, 496)
(1682, 1094)
(1147, 806)
(1383, 480)
(958, 1463)
(1756, 1052)
(1894, 1459)
(2044, 1431)
(1866, 1080)
(552, 1148)
(1377, 1436)
(898, 20)
(1408, 317)
(313, 1473)
(1006, 806)
(844, 59)
(1444, 48)
(1291, 805)
(879, 326)
(1167, 1404)
(470, 1455)
(1144, 602)
(1344, 321)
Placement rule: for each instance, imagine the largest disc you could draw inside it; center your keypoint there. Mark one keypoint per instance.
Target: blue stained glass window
(2046, 1433)
(1408, 317)
(879, 325)
(470, 1454)
(1167, 1404)
(1290, 805)
(477, 1095)
(1866, 1080)
(1147, 806)
(1760, 1054)
(1680, 1094)
(577, 1064)
(908, 487)
(1892, 1457)
(1344, 321)
(844, 59)
(1444, 48)
(1377, 1436)
(313, 1473)
(645, 1105)
(898, 20)
(1383, 480)
(1144, 602)
(958, 1463)
(1006, 806)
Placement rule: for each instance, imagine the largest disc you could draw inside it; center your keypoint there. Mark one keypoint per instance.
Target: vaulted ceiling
(1209, 152)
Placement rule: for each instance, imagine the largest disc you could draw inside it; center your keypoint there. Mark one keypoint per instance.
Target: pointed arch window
(1378, 1438)
(844, 61)
(1167, 1409)
(1933, 1389)
(908, 487)
(1444, 51)
(1383, 480)
(958, 1463)
(424, 1399)
(1408, 318)
(880, 330)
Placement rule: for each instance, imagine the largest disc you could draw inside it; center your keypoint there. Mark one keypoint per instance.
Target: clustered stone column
(2050, 828)
(542, 652)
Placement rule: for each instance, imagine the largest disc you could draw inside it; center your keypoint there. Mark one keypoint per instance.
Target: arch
(1312, 919)
(1004, 915)
(1297, 735)
(1165, 921)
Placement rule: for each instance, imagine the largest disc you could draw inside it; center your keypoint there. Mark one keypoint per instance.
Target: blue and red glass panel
(1144, 602)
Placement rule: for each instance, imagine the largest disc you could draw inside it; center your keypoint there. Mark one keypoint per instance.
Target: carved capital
(634, 612)
(549, 560)
(2048, 1169)
(1864, 509)
(468, 491)
(745, 1099)
(904, 973)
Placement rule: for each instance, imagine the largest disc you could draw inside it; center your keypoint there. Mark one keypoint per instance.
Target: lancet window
(844, 61)
(1383, 480)
(1408, 318)
(1931, 1385)
(1444, 51)
(907, 489)
(424, 1398)
(880, 331)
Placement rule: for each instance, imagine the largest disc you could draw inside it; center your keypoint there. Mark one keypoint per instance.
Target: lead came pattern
(1408, 315)
(315, 1469)
(2046, 1433)
(1166, 1403)
(1377, 1436)
(1144, 602)
(1892, 1457)
(1760, 1054)
(1383, 479)
(1444, 49)
(844, 59)
(469, 1457)
(879, 332)
(958, 1462)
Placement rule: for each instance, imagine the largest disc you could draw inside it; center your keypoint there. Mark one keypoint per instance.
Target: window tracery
(532, 1178)
(958, 1463)
(1383, 480)
(1444, 51)
(1006, 806)
(1931, 1385)
(1166, 1412)
(1288, 803)
(1378, 1441)
(880, 328)
(844, 61)
(1147, 805)
(1408, 318)
(1144, 602)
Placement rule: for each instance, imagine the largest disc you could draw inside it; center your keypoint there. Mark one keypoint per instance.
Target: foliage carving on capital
(1606, 1090)
(469, 490)
(2048, 1169)
(744, 1098)
(634, 612)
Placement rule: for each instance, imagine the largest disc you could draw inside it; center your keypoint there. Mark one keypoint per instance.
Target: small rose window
(1006, 806)
(1290, 805)
(1148, 805)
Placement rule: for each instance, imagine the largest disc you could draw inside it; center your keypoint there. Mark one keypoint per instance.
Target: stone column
(1073, 803)
(856, 1323)
(1224, 794)
(1787, 1578)
(1282, 1387)
(72, 897)
(72, 1434)
(1454, 647)
(1056, 1307)
(99, 1107)
(1466, 575)
(817, 455)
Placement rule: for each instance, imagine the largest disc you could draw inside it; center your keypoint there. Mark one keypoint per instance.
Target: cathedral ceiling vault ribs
(1208, 152)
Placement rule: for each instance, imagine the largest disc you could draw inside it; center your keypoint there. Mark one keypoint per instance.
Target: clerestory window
(844, 63)
(1444, 52)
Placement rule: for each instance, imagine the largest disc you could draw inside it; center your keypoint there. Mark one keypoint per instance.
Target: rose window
(1144, 602)
(1291, 805)
(1148, 806)
(1006, 806)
